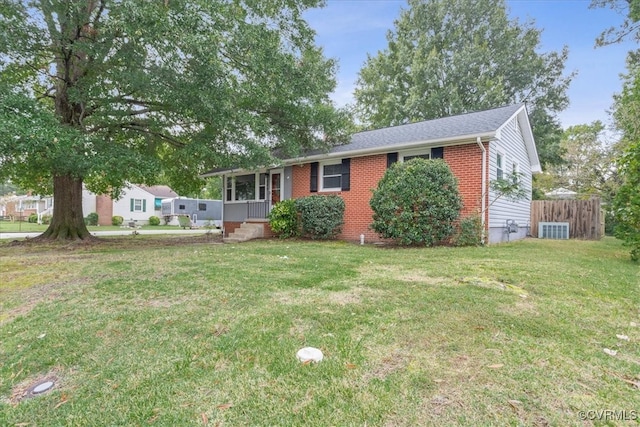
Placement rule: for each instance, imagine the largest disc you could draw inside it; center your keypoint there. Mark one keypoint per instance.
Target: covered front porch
(249, 197)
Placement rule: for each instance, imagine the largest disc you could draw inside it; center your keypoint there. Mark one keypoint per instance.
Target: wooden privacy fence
(585, 217)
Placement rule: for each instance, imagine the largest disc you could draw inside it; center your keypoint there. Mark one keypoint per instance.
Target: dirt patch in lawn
(27, 388)
(383, 272)
(29, 298)
(354, 295)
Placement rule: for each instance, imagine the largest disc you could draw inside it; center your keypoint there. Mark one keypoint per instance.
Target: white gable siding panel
(88, 202)
(511, 144)
(122, 206)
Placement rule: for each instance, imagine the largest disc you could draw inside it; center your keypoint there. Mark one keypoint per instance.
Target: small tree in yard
(416, 202)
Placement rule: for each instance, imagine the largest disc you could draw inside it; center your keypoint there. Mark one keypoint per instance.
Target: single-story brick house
(479, 147)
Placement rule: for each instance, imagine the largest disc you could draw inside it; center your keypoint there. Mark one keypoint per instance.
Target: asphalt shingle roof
(160, 191)
(430, 130)
(462, 125)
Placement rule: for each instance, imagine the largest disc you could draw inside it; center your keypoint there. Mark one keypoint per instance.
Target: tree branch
(139, 128)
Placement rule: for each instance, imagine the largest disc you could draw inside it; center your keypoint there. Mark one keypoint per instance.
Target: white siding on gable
(122, 206)
(88, 202)
(511, 145)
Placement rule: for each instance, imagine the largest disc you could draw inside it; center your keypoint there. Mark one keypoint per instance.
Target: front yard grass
(27, 227)
(164, 331)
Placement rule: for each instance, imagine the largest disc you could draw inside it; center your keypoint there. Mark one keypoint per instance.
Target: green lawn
(184, 331)
(26, 227)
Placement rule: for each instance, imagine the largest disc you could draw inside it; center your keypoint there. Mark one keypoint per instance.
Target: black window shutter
(391, 159)
(313, 187)
(437, 153)
(346, 174)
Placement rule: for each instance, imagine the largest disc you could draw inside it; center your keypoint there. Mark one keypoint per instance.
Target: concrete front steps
(247, 231)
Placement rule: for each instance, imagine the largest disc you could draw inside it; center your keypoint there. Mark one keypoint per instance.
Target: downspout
(224, 199)
(484, 187)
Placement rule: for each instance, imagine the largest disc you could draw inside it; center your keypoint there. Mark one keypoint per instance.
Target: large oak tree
(448, 57)
(104, 92)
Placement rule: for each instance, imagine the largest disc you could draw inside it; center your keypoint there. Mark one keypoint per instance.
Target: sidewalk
(116, 233)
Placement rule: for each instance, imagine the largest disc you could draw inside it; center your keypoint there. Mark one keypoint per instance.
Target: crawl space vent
(553, 230)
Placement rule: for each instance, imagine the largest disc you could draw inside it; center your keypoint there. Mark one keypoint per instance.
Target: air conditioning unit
(553, 230)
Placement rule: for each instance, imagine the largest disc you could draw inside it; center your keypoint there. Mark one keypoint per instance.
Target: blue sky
(348, 30)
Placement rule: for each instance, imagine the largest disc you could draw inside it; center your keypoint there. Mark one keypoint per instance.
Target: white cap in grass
(42, 387)
(309, 354)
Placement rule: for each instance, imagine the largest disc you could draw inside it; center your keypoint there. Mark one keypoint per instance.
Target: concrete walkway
(123, 232)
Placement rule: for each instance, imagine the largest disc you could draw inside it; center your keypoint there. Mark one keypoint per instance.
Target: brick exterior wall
(465, 162)
(104, 209)
(230, 227)
(365, 174)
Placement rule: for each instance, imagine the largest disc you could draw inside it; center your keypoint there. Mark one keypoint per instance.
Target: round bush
(33, 218)
(46, 219)
(416, 203)
(117, 220)
(283, 219)
(154, 220)
(321, 217)
(92, 219)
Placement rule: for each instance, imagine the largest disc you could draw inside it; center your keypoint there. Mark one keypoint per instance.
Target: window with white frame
(229, 189)
(137, 205)
(331, 176)
(246, 187)
(262, 186)
(499, 165)
(422, 154)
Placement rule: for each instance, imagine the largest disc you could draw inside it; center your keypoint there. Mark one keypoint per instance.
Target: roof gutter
(461, 139)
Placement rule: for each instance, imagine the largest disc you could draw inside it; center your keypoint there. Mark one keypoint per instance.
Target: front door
(276, 186)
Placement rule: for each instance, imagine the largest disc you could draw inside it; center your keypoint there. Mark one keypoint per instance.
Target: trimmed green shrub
(321, 217)
(283, 219)
(469, 232)
(416, 203)
(33, 218)
(91, 219)
(46, 219)
(154, 220)
(117, 220)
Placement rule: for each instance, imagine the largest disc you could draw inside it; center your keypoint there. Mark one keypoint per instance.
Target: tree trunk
(67, 222)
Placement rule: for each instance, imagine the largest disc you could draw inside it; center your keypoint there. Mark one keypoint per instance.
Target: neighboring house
(137, 204)
(561, 193)
(479, 147)
(21, 207)
(200, 211)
